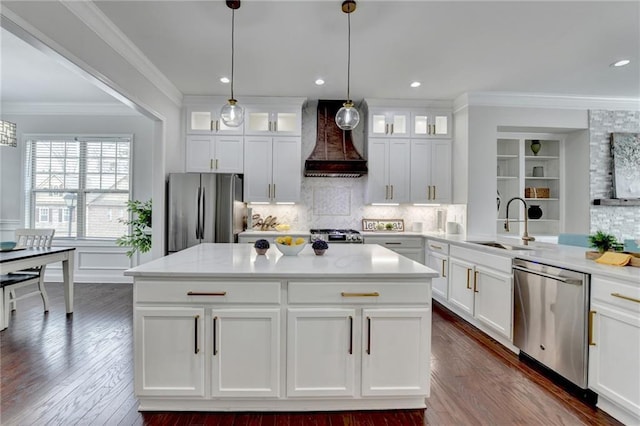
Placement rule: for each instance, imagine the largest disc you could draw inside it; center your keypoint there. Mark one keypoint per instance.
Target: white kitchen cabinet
(394, 361)
(437, 258)
(273, 119)
(430, 171)
(389, 123)
(169, 352)
(614, 347)
(430, 123)
(411, 247)
(389, 174)
(273, 169)
(481, 286)
(245, 352)
(215, 154)
(205, 119)
(321, 353)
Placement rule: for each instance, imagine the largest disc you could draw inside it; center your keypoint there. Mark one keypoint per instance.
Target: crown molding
(409, 103)
(100, 24)
(543, 100)
(67, 108)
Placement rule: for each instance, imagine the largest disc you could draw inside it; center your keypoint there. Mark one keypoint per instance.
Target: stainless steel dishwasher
(550, 318)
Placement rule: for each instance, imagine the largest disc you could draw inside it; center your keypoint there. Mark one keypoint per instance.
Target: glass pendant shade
(232, 114)
(347, 117)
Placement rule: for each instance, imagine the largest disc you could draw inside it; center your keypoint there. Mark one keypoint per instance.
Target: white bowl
(290, 250)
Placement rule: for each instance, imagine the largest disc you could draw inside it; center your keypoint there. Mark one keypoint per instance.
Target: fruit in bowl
(290, 246)
(261, 246)
(319, 247)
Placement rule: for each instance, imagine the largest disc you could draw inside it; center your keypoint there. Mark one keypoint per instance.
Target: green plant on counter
(140, 224)
(602, 241)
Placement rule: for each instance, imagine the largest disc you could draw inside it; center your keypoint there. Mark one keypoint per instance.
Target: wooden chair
(26, 238)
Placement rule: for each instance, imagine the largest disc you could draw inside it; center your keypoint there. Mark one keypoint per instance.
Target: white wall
(576, 178)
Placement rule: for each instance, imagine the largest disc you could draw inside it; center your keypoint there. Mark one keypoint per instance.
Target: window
(83, 178)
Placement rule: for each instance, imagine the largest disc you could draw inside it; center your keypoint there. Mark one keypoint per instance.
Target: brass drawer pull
(196, 349)
(433, 246)
(368, 335)
(350, 335)
(621, 296)
(475, 282)
(215, 347)
(468, 279)
(591, 314)
(197, 293)
(372, 294)
(443, 263)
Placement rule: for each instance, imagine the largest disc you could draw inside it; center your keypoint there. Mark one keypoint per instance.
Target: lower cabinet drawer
(207, 292)
(359, 292)
(614, 292)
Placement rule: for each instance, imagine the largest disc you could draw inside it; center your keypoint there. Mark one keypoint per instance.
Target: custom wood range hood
(334, 154)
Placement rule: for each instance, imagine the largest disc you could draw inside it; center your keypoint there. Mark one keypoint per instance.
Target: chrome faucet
(525, 237)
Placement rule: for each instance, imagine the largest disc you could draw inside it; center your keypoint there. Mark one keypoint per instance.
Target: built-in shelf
(541, 157)
(507, 177)
(541, 178)
(540, 199)
(507, 156)
(616, 202)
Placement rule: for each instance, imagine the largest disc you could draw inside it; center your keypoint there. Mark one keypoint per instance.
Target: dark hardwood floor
(79, 370)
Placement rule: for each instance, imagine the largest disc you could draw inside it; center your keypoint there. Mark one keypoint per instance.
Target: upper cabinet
(430, 123)
(388, 123)
(430, 171)
(215, 154)
(276, 119)
(204, 119)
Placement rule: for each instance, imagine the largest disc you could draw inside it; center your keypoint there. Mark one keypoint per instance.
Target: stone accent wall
(623, 222)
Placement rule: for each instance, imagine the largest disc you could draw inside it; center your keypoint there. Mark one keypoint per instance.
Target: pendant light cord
(348, 55)
(233, 20)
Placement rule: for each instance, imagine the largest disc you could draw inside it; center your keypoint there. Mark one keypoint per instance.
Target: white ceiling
(452, 47)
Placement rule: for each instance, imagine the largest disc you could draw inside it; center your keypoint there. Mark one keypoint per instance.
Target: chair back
(34, 237)
(579, 240)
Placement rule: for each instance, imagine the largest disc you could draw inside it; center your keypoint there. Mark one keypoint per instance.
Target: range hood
(334, 154)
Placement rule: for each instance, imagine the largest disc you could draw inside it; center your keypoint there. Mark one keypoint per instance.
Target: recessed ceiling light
(319, 82)
(415, 84)
(224, 80)
(620, 63)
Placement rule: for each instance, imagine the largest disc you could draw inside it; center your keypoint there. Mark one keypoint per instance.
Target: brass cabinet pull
(386, 128)
(435, 246)
(392, 192)
(275, 126)
(391, 128)
(198, 293)
(468, 279)
(434, 192)
(274, 190)
(211, 164)
(196, 349)
(368, 335)
(211, 125)
(475, 281)
(443, 274)
(270, 125)
(269, 190)
(350, 335)
(215, 347)
(216, 164)
(622, 296)
(386, 192)
(591, 315)
(428, 192)
(217, 125)
(372, 294)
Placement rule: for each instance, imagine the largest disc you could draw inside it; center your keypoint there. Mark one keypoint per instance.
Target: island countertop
(241, 261)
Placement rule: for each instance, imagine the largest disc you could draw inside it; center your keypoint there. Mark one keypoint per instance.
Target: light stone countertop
(340, 261)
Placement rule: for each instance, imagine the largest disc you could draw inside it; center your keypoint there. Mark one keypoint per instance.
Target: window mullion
(82, 186)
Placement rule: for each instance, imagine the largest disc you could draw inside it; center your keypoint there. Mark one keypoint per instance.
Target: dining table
(25, 258)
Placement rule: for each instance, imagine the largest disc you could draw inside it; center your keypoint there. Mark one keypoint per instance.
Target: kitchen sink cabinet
(614, 347)
(215, 154)
(430, 171)
(389, 173)
(273, 169)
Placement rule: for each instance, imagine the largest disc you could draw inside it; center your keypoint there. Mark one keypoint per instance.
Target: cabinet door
(614, 370)
(321, 352)
(378, 176)
(395, 351)
(205, 119)
(439, 285)
(287, 170)
(420, 186)
(257, 169)
(399, 171)
(461, 284)
(440, 165)
(169, 358)
(287, 121)
(229, 154)
(200, 153)
(245, 352)
(270, 119)
(494, 299)
(430, 124)
(389, 123)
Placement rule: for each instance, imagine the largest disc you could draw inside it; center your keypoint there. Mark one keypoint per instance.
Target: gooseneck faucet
(525, 237)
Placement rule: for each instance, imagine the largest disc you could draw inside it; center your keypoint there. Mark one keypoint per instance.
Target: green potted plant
(140, 225)
(602, 241)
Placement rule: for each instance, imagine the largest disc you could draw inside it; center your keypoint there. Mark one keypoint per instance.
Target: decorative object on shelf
(538, 171)
(8, 134)
(348, 116)
(140, 237)
(602, 241)
(625, 153)
(231, 113)
(534, 211)
(261, 246)
(290, 246)
(384, 225)
(268, 224)
(535, 146)
(498, 199)
(7, 245)
(536, 193)
(319, 247)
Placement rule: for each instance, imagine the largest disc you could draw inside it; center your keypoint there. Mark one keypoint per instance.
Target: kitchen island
(219, 328)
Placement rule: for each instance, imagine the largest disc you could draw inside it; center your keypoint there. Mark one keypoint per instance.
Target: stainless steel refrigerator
(203, 208)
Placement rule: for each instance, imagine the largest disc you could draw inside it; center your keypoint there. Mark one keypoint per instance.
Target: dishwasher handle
(553, 277)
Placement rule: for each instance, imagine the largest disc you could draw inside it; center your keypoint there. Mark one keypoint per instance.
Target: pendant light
(232, 114)
(348, 116)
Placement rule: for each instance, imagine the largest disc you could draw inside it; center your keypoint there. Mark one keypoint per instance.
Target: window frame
(82, 192)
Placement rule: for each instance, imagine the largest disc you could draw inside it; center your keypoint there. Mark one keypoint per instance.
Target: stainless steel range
(350, 236)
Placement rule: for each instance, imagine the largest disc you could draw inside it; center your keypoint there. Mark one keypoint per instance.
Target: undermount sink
(502, 246)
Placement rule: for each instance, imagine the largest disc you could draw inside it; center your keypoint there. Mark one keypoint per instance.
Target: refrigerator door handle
(198, 216)
(204, 203)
